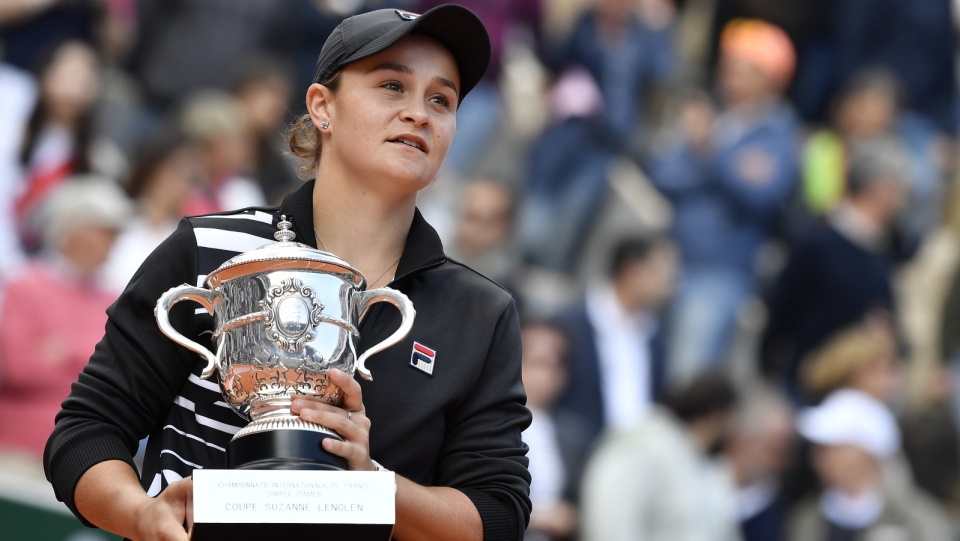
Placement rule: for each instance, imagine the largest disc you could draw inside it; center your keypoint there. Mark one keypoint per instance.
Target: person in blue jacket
(729, 179)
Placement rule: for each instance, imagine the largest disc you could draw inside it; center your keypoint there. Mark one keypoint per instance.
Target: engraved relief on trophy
(276, 381)
(292, 314)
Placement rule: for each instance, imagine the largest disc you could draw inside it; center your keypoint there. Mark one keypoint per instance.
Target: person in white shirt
(616, 363)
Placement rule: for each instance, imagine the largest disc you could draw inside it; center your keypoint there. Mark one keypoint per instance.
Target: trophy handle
(201, 296)
(407, 313)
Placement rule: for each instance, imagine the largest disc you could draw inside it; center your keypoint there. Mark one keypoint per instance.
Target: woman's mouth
(410, 142)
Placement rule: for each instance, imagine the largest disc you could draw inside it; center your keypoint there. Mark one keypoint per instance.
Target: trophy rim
(291, 256)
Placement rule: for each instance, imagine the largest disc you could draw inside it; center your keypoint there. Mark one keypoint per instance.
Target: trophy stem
(282, 443)
(286, 421)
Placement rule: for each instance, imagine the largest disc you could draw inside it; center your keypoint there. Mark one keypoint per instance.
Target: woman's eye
(441, 100)
(392, 85)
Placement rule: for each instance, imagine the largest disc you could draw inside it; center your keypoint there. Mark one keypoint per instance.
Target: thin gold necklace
(371, 284)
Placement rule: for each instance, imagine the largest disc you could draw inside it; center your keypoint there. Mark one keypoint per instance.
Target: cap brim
(849, 417)
(456, 28)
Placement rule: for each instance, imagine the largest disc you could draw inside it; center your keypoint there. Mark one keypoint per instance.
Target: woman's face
(71, 82)
(171, 182)
(394, 116)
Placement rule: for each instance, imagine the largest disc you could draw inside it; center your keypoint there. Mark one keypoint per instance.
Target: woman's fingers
(352, 395)
(349, 421)
(358, 456)
(349, 425)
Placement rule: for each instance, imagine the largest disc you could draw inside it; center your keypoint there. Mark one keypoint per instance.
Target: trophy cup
(284, 314)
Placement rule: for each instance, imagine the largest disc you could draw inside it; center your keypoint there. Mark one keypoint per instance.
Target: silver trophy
(284, 314)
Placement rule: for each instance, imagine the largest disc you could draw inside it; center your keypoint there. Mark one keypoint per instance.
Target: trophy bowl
(284, 314)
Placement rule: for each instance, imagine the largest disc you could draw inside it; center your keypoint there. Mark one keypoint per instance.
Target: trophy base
(253, 505)
(282, 450)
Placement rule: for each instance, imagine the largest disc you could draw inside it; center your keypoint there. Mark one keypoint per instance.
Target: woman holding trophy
(445, 410)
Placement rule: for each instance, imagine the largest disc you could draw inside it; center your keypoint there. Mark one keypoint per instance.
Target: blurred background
(732, 228)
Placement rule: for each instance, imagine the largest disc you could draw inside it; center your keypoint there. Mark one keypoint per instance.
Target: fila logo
(422, 358)
(406, 15)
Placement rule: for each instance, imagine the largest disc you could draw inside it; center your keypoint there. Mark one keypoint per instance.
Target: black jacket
(459, 427)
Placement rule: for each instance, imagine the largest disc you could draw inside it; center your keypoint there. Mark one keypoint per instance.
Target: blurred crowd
(731, 227)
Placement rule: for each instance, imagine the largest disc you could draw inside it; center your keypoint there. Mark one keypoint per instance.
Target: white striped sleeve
(203, 419)
(233, 241)
(257, 216)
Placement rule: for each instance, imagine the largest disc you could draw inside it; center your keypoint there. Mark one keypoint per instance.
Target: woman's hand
(169, 516)
(350, 421)
(109, 495)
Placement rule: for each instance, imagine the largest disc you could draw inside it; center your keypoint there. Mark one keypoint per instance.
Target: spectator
(863, 357)
(870, 106)
(59, 140)
(53, 310)
(854, 434)
(167, 169)
(484, 239)
(729, 182)
(759, 451)
(617, 361)
(896, 35)
(658, 480)
(604, 73)
(839, 272)
(809, 24)
(264, 89)
(556, 437)
(217, 122)
(625, 55)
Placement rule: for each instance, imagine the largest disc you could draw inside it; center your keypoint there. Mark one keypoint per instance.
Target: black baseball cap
(455, 27)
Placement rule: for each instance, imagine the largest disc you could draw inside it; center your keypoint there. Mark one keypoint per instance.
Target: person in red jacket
(52, 310)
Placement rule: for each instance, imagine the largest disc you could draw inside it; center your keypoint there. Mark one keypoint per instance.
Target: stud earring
(324, 125)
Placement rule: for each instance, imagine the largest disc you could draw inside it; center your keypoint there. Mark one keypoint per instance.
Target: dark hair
(706, 394)
(634, 249)
(151, 155)
(82, 137)
(304, 138)
(874, 78)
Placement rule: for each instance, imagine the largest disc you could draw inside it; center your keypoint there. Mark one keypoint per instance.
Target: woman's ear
(320, 105)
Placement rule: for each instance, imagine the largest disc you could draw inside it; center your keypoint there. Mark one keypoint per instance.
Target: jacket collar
(422, 250)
